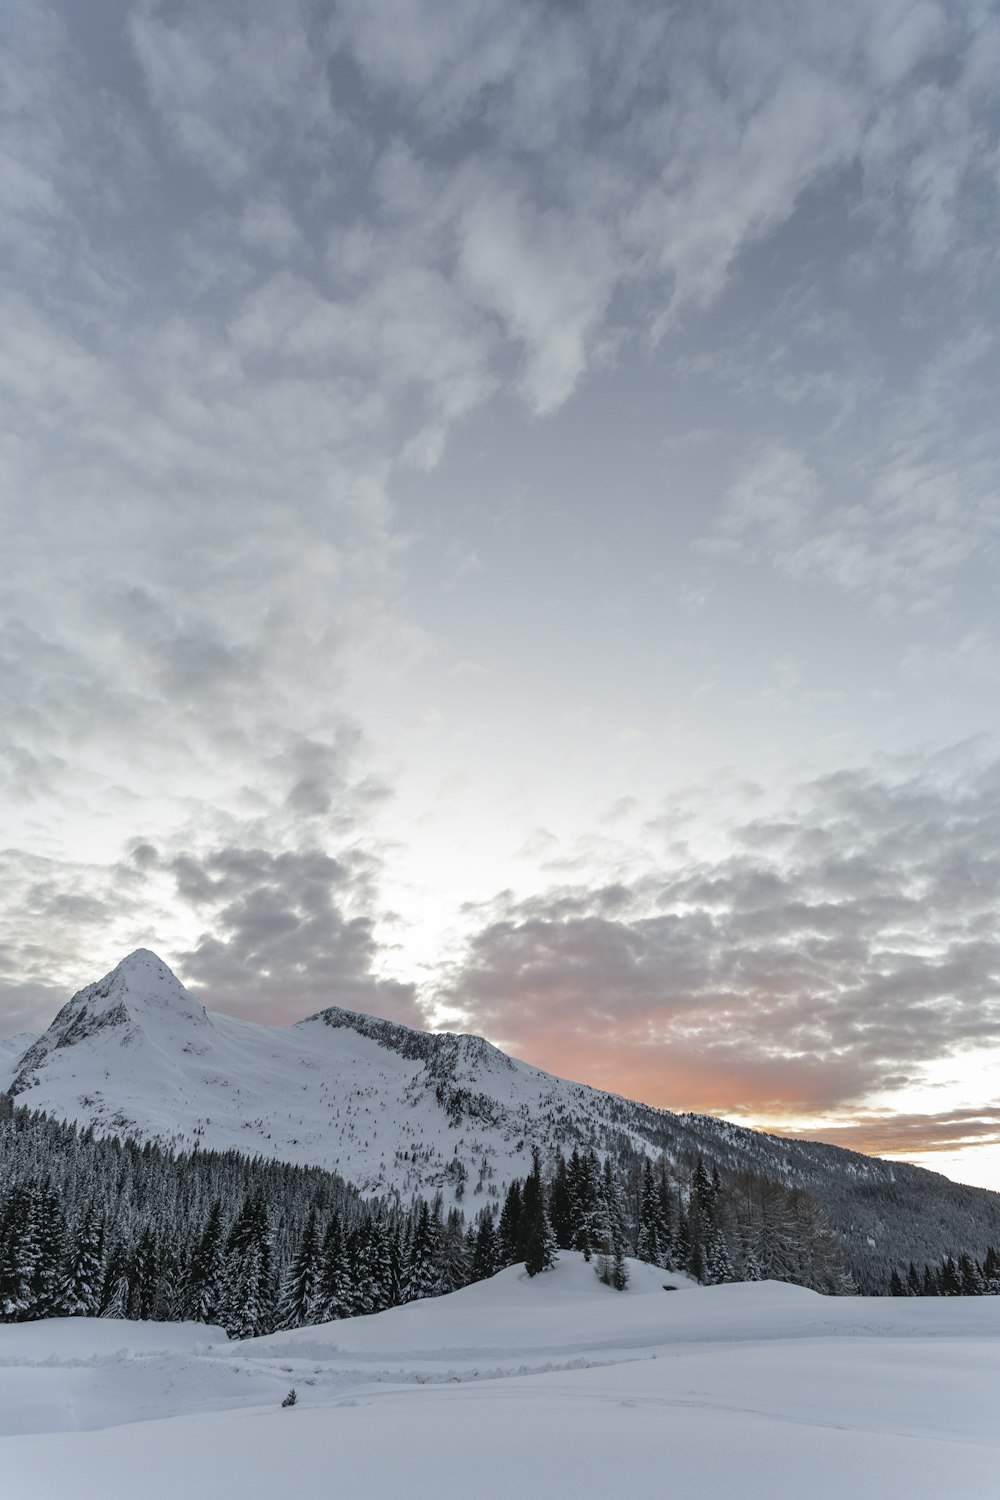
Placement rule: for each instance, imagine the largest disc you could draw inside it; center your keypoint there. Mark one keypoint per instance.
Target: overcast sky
(499, 523)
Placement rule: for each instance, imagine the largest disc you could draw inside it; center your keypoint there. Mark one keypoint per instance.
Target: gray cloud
(281, 939)
(55, 915)
(830, 956)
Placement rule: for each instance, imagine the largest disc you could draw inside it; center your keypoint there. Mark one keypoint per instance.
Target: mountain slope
(404, 1111)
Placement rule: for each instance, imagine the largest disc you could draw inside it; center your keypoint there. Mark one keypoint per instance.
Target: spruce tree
(115, 1293)
(484, 1257)
(47, 1283)
(619, 1270)
(536, 1236)
(85, 1267)
(19, 1252)
(206, 1273)
(509, 1231)
(648, 1246)
(300, 1294)
(421, 1278)
(718, 1263)
(561, 1207)
(454, 1257)
(334, 1288)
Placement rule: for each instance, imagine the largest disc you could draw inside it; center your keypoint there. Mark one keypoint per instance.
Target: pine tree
(454, 1258)
(971, 1276)
(143, 1275)
(619, 1270)
(384, 1280)
(206, 1274)
(718, 1264)
(703, 1189)
(509, 1232)
(334, 1287)
(484, 1257)
(360, 1273)
(115, 1293)
(421, 1277)
(561, 1207)
(248, 1298)
(19, 1252)
(695, 1233)
(667, 1219)
(991, 1271)
(751, 1265)
(48, 1282)
(614, 1232)
(649, 1247)
(536, 1236)
(585, 1185)
(951, 1279)
(300, 1294)
(85, 1267)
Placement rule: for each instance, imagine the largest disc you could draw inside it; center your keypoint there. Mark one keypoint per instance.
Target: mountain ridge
(400, 1111)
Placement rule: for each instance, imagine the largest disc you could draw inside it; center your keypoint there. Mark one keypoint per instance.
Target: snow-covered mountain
(388, 1107)
(397, 1110)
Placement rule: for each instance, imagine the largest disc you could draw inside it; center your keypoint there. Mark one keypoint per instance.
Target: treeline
(747, 1229)
(104, 1227)
(961, 1276)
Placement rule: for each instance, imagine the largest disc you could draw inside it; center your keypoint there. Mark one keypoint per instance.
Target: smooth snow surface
(555, 1387)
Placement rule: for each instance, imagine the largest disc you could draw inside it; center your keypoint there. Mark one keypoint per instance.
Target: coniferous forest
(104, 1227)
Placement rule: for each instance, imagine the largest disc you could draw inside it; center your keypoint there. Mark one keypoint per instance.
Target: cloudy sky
(499, 519)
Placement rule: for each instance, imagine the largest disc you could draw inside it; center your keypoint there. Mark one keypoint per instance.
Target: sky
(499, 518)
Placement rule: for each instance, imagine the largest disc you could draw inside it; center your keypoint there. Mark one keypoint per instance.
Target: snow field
(555, 1387)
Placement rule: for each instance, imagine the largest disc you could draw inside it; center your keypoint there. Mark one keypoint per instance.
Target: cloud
(887, 1134)
(975, 655)
(57, 913)
(267, 225)
(262, 264)
(229, 81)
(281, 940)
(775, 498)
(830, 956)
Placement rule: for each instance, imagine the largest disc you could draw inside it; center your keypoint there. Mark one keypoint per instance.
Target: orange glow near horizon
(960, 1144)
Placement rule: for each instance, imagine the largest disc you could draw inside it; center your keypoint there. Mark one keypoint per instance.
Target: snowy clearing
(552, 1387)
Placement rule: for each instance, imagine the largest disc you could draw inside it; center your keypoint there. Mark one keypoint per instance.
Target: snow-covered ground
(556, 1387)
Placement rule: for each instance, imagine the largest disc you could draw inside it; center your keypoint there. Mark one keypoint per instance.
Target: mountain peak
(141, 957)
(141, 982)
(141, 997)
(142, 964)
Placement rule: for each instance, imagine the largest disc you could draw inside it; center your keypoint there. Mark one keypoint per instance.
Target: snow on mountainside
(397, 1110)
(388, 1107)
